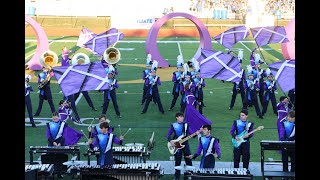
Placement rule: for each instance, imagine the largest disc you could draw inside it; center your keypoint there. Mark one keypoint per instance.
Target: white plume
(185, 67)
(268, 71)
(28, 76)
(240, 54)
(256, 57)
(111, 68)
(195, 64)
(148, 58)
(154, 65)
(249, 68)
(180, 59)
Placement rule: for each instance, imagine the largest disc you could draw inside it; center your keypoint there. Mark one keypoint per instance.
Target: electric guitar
(178, 143)
(236, 143)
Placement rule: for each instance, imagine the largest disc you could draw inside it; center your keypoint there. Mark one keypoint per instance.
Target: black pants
(285, 160)
(254, 102)
(244, 151)
(234, 96)
(157, 100)
(86, 96)
(113, 97)
(178, 157)
(60, 140)
(272, 97)
(50, 101)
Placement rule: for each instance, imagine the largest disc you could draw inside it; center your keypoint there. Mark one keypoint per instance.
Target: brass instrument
(45, 81)
(111, 55)
(80, 58)
(48, 59)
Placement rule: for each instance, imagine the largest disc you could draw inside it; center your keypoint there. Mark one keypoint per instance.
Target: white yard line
(179, 49)
(78, 99)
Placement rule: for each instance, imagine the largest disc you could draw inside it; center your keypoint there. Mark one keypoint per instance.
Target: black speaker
(57, 159)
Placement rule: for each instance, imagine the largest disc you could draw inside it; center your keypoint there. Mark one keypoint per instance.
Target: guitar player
(179, 128)
(237, 128)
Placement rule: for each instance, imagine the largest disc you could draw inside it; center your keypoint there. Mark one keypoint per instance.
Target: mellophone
(137, 171)
(74, 150)
(219, 173)
(124, 154)
(42, 170)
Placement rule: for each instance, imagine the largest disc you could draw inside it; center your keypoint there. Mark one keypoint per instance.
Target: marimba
(124, 154)
(43, 171)
(219, 173)
(137, 171)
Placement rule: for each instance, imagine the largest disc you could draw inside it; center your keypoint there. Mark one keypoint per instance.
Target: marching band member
(287, 133)
(145, 75)
(183, 87)
(270, 86)
(45, 92)
(153, 82)
(111, 93)
(238, 126)
(65, 56)
(104, 143)
(27, 90)
(251, 87)
(259, 75)
(199, 84)
(95, 130)
(177, 78)
(238, 88)
(209, 146)
(72, 102)
(179, 128)
(65, 111)
(59, 134)
(283, 110)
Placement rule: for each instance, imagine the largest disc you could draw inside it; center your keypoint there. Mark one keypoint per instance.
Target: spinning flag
(85, 36)
(232, 36)
(99, 43)
(78, 78)
(269, 35)
(219, 65)
(192, 115)
(284, 74)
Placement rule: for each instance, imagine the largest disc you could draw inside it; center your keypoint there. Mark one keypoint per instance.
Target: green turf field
(217, 96)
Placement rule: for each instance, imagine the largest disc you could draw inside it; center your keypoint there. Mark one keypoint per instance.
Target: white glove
(257, 89)
(95, 148)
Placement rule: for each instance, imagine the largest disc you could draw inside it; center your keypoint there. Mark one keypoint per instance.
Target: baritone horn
(48, 59)
(111, 55)
(80, 58)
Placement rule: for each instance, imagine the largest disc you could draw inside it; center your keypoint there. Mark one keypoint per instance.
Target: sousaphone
(80, 58)
(111, 55)
(49, 59)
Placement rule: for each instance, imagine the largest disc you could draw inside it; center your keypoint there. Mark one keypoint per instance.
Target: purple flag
(231, 36)
(71, 136)
(219, 65)
(85, 36)
(284, 74)
(192, 115)
(269, 35)
(78, 78)
(99, 43)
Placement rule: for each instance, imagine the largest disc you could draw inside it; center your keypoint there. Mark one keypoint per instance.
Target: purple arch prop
(42, 44)
(288, 48)
(151, 42)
